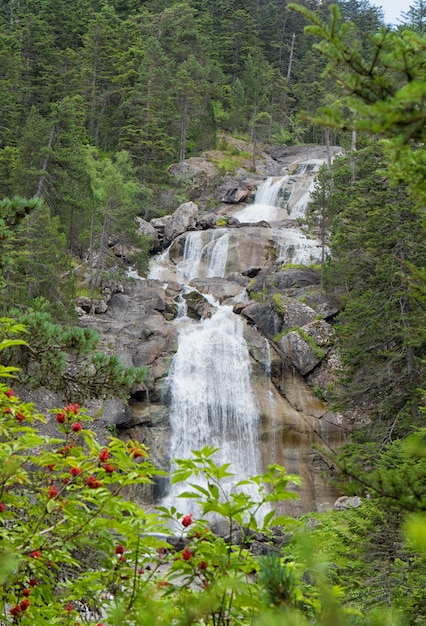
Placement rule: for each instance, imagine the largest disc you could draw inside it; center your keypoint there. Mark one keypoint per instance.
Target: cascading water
(211, 398)
(204, 254)
(282, 198)
(267, 203)
(212, 402)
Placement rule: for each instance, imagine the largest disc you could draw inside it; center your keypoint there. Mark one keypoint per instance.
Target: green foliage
(63, 515)
(74, 547)
(381, 327)
(382, 88)
(278, 305)
(12, 212)
(40, 267)
(65, 359)
(119, 197)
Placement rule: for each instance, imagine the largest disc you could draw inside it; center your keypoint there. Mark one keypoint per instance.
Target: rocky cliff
(267, 271)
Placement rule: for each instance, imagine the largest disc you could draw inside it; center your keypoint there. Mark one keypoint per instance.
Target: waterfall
(209, 388)
(212, 402)
(218, 256)
(270, 194)
(295, 248)
(286, 196)
(282, 198)
(204, 254)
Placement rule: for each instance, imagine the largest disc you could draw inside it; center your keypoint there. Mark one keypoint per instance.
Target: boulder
(322, 333)
(295, 277)
(293, 312)
(220, 288)
(147, 229)
(263, 315)
(197, 306)
(302, 354)
(91, 305)
(195, 168)
(233, 191)
(183, 219)
(305, 346)
(347, 502)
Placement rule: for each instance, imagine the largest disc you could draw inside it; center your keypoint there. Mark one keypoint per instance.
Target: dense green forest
(97, 100)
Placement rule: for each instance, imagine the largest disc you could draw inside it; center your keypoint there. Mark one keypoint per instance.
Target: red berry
(120, 549)
(26, 592)
(51, 467)
(8, 411)
(53, 491)
(93, 483)
(187, 520)
(2, 507)
(60, 418)
(203, 565)
(104, 455)
(69, 607)
(36, 554)
(186, 554)
(24, 604)
(76, 427)
(33, 582)
(72, 408)
(75, 471)
(15, 610)
(109, 468)
(20, 417)
(9, 393)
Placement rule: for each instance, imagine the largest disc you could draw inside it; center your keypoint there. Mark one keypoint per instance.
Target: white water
(204, 255)
(282, 198)
(278, 198)
(267, 203)
(212, 402)
(211, 398)
(294, 247)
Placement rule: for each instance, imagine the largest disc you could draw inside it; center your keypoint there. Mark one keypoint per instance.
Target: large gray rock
(147, 229)
(220, 288)
(303, 354)
(195, 169)
(347, 502)
(293, 312)
(183, 219)
(306, 346)
(197, 306)
(234, 190)
(264, 317)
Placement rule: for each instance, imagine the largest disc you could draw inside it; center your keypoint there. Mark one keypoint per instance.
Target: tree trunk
(290, 61)
(95, 280)
(40, 185)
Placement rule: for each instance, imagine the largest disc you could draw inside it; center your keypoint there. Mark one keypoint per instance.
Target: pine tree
(381, 325)
(119, 198)
(40, 267)
(415, 17)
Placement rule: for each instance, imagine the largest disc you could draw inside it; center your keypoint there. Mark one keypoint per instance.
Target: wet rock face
(286, 318)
